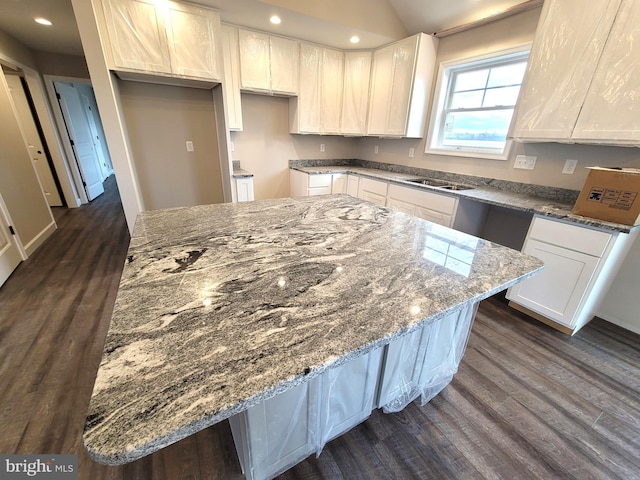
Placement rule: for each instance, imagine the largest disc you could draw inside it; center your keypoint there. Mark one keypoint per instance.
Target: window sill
(469, 154)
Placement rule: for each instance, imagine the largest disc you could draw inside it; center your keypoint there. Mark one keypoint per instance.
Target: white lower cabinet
(353, 182)
(579, 265)
(283, 430)
(244, 189)
(374, 191)
(436, 208)
(304, 185)
(339, 183)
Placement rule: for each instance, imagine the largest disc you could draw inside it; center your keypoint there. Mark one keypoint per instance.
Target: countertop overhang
(223, 306)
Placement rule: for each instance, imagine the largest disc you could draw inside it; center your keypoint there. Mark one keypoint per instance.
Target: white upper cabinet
(610, 110)
(191, 35)
(355, 96)
(137, 35)
(582, 78)
(231, 82)
(171, 38)
(268, 64)
(401, 81)
(317, 109)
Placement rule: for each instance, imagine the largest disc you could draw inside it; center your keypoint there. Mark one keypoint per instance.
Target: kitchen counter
(527, 200)
(223, 306)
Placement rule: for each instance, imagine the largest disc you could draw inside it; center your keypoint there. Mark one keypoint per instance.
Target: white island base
(280, 432)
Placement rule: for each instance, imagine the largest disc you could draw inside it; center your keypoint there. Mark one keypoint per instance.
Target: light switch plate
(322, 147)
(189, 146)
(412, 152)
(525, 162)
(570, 166)
(375, 149)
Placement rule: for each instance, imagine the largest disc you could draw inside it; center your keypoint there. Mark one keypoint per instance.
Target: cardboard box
(611, 194)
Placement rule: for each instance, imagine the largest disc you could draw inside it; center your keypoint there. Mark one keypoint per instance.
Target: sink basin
(440, 184)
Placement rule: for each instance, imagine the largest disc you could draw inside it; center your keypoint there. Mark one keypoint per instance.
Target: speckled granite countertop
(222, 306)
(529, 199)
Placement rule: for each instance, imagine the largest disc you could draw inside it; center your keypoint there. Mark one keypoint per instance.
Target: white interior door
(81, 138)
(10, 255)
(36, 149)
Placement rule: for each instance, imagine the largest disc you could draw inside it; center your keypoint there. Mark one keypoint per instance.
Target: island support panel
(278, 433)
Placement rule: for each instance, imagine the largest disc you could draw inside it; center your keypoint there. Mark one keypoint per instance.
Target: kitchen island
(224, 308)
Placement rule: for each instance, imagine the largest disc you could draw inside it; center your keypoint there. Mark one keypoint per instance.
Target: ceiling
(329, 22)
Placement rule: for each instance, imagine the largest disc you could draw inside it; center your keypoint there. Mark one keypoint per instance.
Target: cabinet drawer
(432, 201)
(572, 237)
(374, 186)
(320, 181)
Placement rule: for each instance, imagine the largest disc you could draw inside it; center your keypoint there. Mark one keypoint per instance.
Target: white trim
(39, 239)
(438, 105)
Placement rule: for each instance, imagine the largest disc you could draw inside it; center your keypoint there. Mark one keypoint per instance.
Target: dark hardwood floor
(527, 402)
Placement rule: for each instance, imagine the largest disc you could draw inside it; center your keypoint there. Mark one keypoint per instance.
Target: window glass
(477, 100)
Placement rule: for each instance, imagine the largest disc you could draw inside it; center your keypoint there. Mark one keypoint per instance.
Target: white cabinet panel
(255, 70)
(374, 191)
(244, 189)
(317, 108)
(584, 240)
(284, 66)
(557, 291)
(231, 83)
(401, 81)
(429, 206)
(355, 98)
(339, 183)
(191, 35)
(610, 110)
(353, 183)
(137, 36)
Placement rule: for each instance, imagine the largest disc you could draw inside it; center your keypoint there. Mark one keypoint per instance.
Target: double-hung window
(474, 103)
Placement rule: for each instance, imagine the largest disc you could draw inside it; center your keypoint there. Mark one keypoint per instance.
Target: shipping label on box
(611, 194)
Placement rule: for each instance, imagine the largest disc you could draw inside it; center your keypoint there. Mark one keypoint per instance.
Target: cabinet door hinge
(13, 232)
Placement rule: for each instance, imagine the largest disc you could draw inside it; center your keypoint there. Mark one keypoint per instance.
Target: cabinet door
(557, 291)
(244, 189)
(434, 216)
(137, 36)
(331, 90)
(255, 70)
(404, 57)
(353, 182)
(373, 191)
(298, 183)
(308, 102)
(401, 369)
(231, 83)
(348, 394)
(339, 183)
(381, 85)
(569, 42)
(355, 97)
(192, 33)
(282, 430)
(610, 110)
(284, 66)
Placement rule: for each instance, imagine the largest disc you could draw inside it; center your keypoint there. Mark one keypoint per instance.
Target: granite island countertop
(528, 199)
(223, 306)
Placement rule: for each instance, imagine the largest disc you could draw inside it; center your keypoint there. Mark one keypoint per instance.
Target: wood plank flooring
(528, 402)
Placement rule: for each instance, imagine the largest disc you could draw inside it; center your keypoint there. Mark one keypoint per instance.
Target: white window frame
(440, 96)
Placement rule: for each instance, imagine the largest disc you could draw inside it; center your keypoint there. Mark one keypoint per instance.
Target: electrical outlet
(233, 147)
(322, 147)
(189, 146)
(375, 149)
(570, 166)
(412, 152)
(525, 162)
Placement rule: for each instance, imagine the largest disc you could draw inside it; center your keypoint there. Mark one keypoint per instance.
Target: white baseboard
(39, 239)
(635, 328)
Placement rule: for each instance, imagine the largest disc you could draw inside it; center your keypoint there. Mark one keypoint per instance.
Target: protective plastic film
(568, 44)
(435, 360)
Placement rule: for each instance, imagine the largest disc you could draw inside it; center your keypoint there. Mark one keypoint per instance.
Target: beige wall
(61, 65)
(265, 146)
(16, 51)
(159, 120)
(505, 33)
(19, 184)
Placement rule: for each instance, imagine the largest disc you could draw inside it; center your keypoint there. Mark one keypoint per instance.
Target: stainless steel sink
(440, 184)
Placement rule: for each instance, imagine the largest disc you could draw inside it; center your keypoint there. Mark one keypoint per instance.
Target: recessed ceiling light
(43, 21)
(275, 20)
(354, 39)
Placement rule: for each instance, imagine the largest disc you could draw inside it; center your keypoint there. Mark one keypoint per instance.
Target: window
(475, 100)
